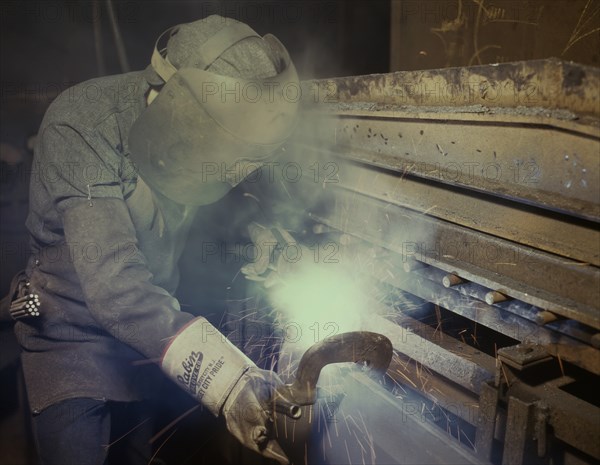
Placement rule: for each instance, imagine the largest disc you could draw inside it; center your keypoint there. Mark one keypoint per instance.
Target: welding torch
(372, 350)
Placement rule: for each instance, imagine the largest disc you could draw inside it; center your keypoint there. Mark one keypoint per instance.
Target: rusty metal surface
(411, 374)
(572, 419)
(505, 193)
(456, 361)
(534, 160)
(569, 418)
(548, 83)
(509, 324)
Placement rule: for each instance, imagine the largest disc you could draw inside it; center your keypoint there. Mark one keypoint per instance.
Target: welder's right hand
(248, 415)
(203, 362)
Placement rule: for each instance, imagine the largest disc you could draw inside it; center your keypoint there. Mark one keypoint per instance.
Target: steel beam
(541, 279)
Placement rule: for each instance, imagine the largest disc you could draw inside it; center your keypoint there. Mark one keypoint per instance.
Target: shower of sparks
(315, 300)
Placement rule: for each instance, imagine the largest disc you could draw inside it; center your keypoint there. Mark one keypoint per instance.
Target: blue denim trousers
(94, 432)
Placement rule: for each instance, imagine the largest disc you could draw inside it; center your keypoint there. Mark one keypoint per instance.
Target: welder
(122, 164)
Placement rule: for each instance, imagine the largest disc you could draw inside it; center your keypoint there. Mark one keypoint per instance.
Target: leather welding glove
(278, 255)
(248, 415)
(210, 368)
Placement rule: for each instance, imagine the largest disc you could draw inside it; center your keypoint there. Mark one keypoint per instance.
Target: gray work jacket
(105, 251)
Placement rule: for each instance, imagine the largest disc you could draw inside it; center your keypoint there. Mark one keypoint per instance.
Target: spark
(128, 432)
(328, 435)
(438, 316)
(294, 431)
(247, 194)
(467, 438)
(358, 441)
(504, 373)
(474, 335)
(562, 369)
(348, 452)
(429, 209)
(285, 189)
(369, 437)
(306, 453)
(407, 379)
(161, 446)
(174, 422)
(438, 390)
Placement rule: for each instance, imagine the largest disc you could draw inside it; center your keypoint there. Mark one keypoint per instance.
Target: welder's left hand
(278, 254)
(248, 415)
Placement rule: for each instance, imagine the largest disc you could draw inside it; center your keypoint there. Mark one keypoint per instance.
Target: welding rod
(20, 314)
(30, 304)
(25, 298)
(23, 313)
(27, 302)
(25, 307)
(20, 317)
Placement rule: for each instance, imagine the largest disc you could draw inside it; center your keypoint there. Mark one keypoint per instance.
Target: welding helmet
(205, 132)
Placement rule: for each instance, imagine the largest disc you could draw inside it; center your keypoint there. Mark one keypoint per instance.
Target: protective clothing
(105, 248)
(210, 368)
(248, 416)
(205, 132)
(105, 273)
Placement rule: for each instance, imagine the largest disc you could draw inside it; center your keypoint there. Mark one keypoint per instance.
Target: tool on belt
(19, 303)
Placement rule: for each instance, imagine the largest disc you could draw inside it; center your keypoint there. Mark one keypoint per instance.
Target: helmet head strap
(210, 50)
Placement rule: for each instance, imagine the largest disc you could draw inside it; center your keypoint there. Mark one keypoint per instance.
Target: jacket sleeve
(85, 189)
(118, 286)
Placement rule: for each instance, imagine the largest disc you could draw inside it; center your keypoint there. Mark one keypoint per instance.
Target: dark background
(47, 46)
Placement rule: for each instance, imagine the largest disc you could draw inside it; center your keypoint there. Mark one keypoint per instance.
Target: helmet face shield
(205, 132)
